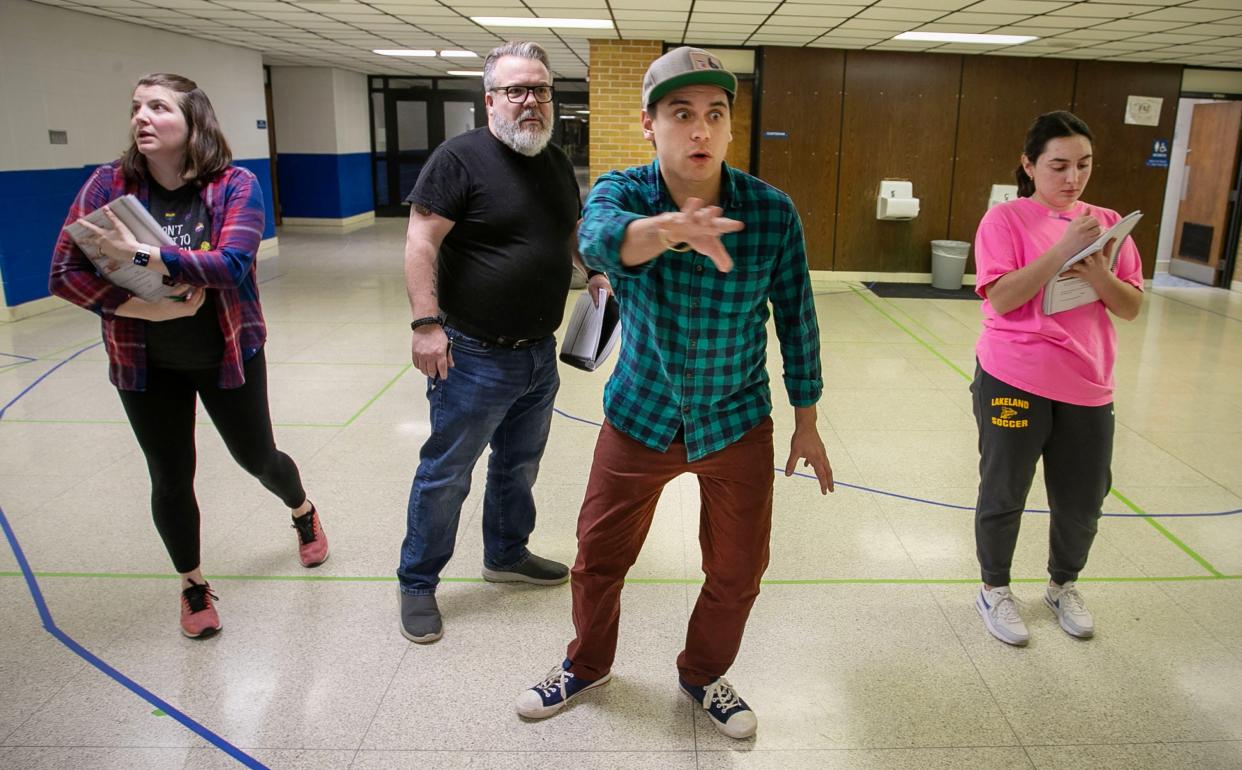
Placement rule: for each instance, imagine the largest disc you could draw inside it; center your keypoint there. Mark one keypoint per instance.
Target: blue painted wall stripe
(325, 186)
(32, 209)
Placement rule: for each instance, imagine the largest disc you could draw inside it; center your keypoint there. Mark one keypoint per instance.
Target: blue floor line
(955, 506)
(45, 615)
(49, 624)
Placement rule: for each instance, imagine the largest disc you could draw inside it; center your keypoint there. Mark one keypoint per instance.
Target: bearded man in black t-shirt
(489, 254)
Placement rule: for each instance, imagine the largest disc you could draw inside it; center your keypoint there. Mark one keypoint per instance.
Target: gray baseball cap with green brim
(682, 67)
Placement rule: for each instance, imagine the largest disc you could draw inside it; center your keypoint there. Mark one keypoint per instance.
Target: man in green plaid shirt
(695, 252)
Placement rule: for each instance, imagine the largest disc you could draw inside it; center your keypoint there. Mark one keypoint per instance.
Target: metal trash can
(949, 264)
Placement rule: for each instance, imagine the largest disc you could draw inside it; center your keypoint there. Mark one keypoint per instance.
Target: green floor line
(1158, 526)
(861, 295)
(55, 421)
(916, 321)
(629, 581)
(14, 365)
(1164, 531)
(376, 397)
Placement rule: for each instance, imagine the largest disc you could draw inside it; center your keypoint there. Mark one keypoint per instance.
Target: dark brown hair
(1049, 126)
(207, 152)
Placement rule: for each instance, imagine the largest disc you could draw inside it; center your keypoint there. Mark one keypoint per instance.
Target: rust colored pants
(735, 519)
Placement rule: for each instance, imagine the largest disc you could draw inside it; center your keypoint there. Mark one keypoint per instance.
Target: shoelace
(1071, 601)
(555, 682)
(722, 693)
(196, 596)
(305, 525)
(1006, 608)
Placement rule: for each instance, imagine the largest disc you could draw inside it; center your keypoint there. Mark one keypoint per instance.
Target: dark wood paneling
(899, 123)
(1120, 179)
(1001, 96)
(739, 149)
(801, 95)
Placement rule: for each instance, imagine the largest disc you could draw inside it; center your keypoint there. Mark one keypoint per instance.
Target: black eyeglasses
(517, 94)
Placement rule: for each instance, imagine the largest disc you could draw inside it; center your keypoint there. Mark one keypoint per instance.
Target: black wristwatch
(427, 321)
(142, 257)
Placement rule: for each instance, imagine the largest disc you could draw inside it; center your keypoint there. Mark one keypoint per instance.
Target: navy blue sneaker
(729, 713)
(557, 688)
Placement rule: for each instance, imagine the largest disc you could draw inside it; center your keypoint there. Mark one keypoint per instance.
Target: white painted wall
(72, 71)
(353, 133)
(321, 110)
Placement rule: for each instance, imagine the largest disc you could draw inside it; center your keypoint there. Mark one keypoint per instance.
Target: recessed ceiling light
(962, 37)
(466, 73)
(569, 117)
(535, 21)
(403, 51)
(456, 54)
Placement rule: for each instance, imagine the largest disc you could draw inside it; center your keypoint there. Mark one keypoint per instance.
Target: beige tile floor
(864, 650)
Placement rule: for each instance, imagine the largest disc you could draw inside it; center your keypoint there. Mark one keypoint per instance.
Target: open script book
(593, 331)
(1064, 292)
(145, 284)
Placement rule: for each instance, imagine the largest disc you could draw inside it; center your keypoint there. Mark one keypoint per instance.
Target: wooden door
(1202, 216)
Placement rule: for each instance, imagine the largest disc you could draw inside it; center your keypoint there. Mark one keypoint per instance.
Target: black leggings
(162, 417)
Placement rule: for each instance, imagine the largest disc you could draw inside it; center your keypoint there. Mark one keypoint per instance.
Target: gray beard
(522, 140)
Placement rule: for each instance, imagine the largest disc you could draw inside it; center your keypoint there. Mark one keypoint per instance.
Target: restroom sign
(1159, 154)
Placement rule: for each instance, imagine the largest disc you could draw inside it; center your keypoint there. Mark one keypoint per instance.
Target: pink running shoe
(199, 618)
(312, 542)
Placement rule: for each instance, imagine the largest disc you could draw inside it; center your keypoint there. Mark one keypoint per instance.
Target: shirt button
(694, 343)
(686, 409)
(694, 304)
(698, 268)
(690, 375)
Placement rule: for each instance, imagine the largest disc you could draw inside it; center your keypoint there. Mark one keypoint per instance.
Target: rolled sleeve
(793, 312)
(609, 210)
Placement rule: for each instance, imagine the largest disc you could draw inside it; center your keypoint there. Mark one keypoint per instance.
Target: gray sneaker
(420, 618)
(534, 569)
(1067, 604)
(999, 609)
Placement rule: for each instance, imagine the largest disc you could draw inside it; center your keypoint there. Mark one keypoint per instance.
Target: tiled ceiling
(342, 33)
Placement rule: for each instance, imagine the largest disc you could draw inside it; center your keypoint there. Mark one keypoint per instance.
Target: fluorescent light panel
(962, 37)
(466, 73)
(420, 52)
(456, 54)
(534, 21)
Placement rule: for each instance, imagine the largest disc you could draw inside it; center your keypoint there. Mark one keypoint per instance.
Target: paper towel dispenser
(1002, 193)
(896, 200)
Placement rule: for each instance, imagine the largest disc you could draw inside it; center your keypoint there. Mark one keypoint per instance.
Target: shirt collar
(659, 197)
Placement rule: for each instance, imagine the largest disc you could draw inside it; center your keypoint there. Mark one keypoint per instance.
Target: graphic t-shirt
(195, 342)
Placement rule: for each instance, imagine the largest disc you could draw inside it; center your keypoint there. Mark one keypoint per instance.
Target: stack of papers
(1068, 292)
(145, 284)
(593, 331)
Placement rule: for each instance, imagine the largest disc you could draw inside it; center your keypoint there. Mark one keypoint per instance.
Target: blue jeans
(493, 396)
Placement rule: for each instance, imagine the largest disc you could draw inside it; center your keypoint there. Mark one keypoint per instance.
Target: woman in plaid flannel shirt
(204, 342)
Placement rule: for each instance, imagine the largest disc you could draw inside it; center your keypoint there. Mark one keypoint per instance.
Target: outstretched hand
(700, 227)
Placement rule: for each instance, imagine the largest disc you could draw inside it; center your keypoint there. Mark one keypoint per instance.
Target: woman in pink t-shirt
(1044, 383)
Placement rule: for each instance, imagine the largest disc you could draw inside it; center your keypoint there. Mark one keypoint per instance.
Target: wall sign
(1143, 110)
(1159, 154)
(260, 124)
(775, 134)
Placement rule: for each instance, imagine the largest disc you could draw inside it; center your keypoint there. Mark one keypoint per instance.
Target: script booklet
(1064, 292)
(593, 331)
(145, 284)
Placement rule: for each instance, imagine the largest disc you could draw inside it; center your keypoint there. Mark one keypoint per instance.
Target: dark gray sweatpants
(1016, 428)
